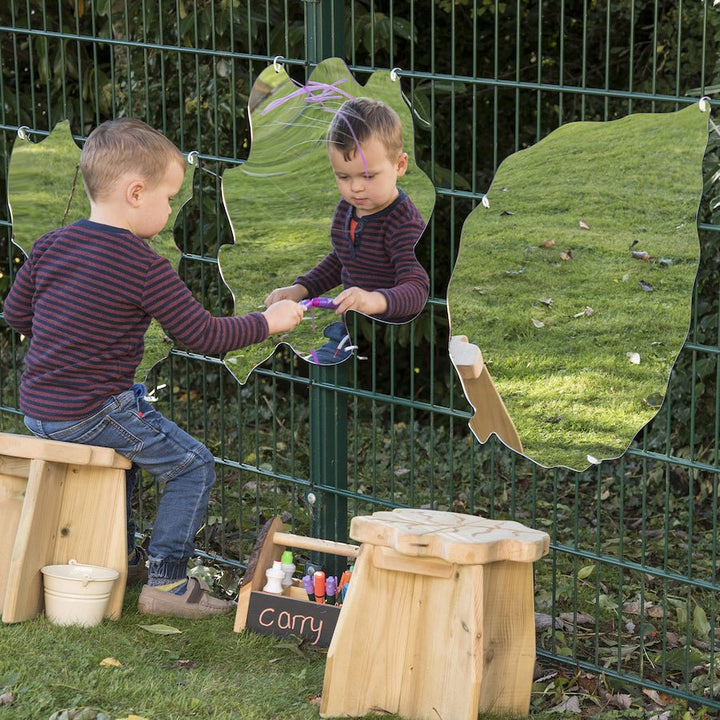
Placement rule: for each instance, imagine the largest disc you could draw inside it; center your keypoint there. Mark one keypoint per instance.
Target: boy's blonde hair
(361, 118)
(121, 146)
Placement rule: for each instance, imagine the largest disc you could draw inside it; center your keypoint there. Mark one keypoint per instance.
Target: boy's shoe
(137, 566)
(195, 603)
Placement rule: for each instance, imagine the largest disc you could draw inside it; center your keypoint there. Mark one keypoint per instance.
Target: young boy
(374, 230)
(85, 297)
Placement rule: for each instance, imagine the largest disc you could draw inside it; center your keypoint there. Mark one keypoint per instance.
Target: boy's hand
(296, 293)
(283, 315)
(364, 301)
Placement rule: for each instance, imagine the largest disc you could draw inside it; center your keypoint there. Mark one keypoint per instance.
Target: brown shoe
(195, 603)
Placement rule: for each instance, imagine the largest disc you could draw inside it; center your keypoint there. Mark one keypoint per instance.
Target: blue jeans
(130, 425)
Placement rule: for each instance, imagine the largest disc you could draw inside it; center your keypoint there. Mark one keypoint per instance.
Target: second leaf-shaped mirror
(570, 298)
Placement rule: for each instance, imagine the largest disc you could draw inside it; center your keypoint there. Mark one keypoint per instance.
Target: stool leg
(36, 532)
(69, 511)
(406, 643)
(93, 524)
(509, 638)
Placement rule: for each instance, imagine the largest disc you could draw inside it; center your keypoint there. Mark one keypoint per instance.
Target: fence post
(324, 20)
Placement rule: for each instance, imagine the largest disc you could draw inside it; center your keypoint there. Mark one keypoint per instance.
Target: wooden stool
(439, 619)
(58, 501)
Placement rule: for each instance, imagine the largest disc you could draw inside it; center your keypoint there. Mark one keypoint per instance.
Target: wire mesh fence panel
(629, 590)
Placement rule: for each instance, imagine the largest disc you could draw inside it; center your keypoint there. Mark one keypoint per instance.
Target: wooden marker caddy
(291, 613)
(58, 501)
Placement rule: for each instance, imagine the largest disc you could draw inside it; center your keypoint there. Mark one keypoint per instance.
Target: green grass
(527, 270)
(205, 671)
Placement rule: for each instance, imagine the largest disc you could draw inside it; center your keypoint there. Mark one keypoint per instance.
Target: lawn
(576, 282)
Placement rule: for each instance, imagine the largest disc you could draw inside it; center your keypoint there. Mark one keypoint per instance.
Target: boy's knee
(200, 464)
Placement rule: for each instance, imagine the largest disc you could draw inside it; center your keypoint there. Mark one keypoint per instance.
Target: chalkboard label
(270, 614)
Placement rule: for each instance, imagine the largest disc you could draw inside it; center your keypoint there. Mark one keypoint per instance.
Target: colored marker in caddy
(319, 583)
(309, 587)
(330, 589)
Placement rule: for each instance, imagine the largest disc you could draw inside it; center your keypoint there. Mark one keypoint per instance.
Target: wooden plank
(453, 537)
(69, 512)
(508, 638)
(443, 667)
(17, 467)
(34, 541)
(27, 446)
(261, 558)
(491, 415)
(92, 524)
(12, 494)
(318, 544)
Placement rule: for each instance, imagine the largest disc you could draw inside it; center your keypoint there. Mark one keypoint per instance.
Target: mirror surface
(281, 201)
(575, 284)
(46, 191)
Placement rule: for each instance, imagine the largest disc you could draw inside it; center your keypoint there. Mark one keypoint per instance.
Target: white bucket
(77, 594)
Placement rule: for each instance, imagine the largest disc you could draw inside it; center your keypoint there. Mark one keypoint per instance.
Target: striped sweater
(85, 297)
(382, 258)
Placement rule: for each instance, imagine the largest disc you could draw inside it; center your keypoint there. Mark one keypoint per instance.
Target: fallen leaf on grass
(7, 698)
(161, 629)
(537, 323)
(633, 357)
(660, 699)
(572, 704)
(641, 255)
(578, 618)
(621, 701)
(110, 662)
(548, 243)
(646, 286)
(567, 255)
(584, 225)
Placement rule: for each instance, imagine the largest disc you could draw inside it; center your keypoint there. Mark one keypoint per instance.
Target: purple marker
(330, 589)
(318, 302)
(309, 585)
(323, 302)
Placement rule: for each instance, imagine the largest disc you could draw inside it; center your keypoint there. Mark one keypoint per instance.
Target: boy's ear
(402, 164)
(133, 192)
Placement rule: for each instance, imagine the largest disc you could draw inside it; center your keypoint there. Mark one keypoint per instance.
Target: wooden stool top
(454, 537)
(31, 447)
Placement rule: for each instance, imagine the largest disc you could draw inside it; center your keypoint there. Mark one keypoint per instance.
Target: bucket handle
(85, 579)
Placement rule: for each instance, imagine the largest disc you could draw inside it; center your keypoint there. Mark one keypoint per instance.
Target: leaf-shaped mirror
(46, 191)
(570, 299)
(281, 201)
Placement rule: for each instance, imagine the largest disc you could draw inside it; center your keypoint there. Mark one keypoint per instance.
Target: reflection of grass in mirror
(564, 373)
(281, 201)
(42, 181)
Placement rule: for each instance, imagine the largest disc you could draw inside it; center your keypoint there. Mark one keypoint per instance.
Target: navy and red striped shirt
(380, 256)
(85, 297)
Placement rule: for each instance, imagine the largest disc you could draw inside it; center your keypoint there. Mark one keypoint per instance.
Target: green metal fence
(629, 589)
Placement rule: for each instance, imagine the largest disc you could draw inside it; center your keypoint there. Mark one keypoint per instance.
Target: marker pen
(319, 582)
(330, 589)
(309, 587)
